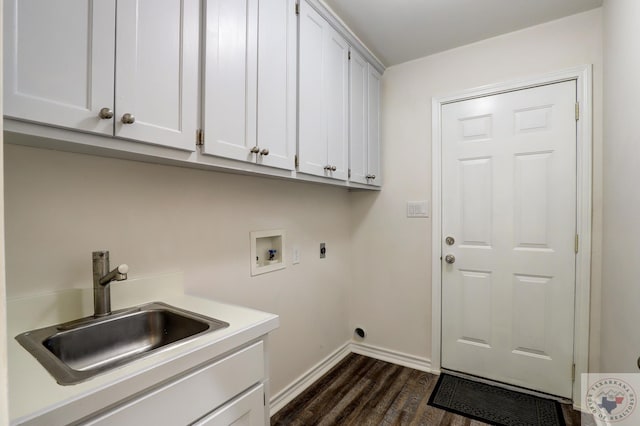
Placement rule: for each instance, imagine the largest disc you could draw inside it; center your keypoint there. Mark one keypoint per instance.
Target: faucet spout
(118, 274)
(102, 278)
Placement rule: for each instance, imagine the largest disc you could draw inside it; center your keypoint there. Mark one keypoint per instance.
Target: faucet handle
(123, 269)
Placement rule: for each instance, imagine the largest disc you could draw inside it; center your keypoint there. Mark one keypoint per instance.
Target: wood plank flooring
(362, 391)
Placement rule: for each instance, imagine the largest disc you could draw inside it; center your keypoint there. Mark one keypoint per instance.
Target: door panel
(73, 40)
(277, 61)
(337, 95)
(509, 201)
(230, 78)
(358, 115)
(312, 119)
(157, 71)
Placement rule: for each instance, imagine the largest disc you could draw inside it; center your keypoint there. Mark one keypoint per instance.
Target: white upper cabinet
(230, 78)
(277, 79)
(59, 62)
(157, 71)
(364, 127)
(64, 61)
(324, 91)
(374, 168)
(358, 118)
(250, 81)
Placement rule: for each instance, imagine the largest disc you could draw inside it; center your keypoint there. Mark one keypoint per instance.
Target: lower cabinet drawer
(246, 410)
(192, 396)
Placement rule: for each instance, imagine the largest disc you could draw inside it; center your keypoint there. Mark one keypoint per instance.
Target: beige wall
(621, 250)
(391, 295)
(62, 206)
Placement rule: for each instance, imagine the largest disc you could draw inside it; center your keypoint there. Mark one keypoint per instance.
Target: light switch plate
(296, 254)
(417, 208)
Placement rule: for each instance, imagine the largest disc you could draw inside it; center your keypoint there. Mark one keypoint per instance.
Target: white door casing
(509, 202)
(374, 168)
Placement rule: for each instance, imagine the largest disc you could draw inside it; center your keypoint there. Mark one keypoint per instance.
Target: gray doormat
(494, 405)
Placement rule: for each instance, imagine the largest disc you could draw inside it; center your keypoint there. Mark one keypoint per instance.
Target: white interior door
(509, 204)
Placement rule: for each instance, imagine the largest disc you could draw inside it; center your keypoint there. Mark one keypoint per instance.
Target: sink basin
(79, 350)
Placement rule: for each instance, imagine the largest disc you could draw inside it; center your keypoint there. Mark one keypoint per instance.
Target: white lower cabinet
(228, 391)
(246, 410)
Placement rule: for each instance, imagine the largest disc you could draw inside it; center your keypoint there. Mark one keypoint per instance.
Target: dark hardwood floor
(364, 391)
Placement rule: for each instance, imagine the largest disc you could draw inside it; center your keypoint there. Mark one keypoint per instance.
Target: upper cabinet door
(59, 61)
(312, 143)
(373, 123)
(230, 78)
(277, 61)
(358, 116)
(336, 72)
(324, 97)
(157, 71)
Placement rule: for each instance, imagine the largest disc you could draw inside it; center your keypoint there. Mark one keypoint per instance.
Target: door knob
(128, 119)
(265, 151)
(255, 150)
(450, 259)
(105, 113)
(450, 241)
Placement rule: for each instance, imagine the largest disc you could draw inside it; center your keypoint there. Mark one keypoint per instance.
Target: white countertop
(35, 397)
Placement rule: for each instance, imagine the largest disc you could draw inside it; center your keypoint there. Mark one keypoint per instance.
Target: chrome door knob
(265, 151)
(450, 259)
(450, 241)
(106, 113)
(255, 150)
(128, 118)
(333, 168)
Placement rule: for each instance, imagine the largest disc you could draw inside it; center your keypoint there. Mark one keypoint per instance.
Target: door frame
(583, 77)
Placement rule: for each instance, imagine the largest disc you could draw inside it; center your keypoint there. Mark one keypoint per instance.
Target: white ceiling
(397, 31)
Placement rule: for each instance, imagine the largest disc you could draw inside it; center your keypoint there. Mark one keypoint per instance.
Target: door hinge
(577, 243)
(349, 173)
(573, 372)
(577, 111)
(296, 161)
(264, 399)
(349, 55)
(199, 137)
(297, 8)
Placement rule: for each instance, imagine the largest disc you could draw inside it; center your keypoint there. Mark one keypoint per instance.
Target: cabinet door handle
(371, 176)
(128, 118)
(330, 168)
(255, 150)
(334, 168)
(106, 113)
(264, 152)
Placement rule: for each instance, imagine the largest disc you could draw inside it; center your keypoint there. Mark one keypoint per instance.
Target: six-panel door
(509, 206)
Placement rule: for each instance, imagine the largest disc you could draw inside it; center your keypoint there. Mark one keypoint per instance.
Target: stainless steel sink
(79, 350)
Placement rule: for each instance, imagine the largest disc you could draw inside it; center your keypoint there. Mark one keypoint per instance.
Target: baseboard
(394, 357)
(285, 396)
(282, 398)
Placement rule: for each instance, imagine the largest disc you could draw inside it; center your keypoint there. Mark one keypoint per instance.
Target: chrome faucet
(102, 279)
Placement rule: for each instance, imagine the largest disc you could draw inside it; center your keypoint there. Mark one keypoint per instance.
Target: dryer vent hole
(360, 333)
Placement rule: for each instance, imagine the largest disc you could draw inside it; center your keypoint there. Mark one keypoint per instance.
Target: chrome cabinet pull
(128, 118)
(106, 113)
